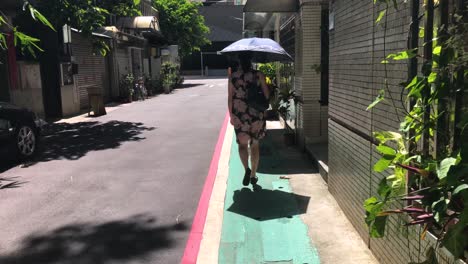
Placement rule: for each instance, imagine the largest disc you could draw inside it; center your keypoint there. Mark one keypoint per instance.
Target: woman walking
(247, 119)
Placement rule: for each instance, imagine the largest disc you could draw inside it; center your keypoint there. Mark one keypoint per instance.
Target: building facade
(56, 83)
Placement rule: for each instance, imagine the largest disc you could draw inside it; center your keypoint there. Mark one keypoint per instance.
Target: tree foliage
(89, 15)
(181, 24)
(20, 39)
(84, 15)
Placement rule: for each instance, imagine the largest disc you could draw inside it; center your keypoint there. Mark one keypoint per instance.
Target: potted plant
(286, 97)
(126, 88)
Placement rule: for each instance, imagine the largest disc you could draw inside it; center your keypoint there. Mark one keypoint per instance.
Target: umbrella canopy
(262, 49)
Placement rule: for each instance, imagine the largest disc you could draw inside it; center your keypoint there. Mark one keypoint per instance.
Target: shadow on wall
(278, 158)
(73, 141)
(81, 243)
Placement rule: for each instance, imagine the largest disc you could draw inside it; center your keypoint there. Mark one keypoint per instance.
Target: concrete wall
(356, 76)
(29, 91)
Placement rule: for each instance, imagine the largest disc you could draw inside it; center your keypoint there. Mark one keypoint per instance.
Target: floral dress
(246, 120)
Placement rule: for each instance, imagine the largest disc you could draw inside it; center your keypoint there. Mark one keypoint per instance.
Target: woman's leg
(243, 141)
(254, 156)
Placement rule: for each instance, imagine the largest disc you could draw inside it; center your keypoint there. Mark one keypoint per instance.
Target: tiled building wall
(357, 47)
(311, 122)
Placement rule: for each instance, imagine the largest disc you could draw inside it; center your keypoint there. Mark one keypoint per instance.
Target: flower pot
(167, 89)
(271, 115)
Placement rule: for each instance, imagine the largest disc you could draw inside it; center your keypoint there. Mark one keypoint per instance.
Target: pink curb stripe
(193, 243)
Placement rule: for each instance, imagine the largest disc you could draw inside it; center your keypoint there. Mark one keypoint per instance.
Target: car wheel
(26, 141)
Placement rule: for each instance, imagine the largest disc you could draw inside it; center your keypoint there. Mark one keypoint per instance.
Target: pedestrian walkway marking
(263, 225)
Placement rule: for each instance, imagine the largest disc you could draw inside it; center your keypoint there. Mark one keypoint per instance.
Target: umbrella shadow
(264, 204)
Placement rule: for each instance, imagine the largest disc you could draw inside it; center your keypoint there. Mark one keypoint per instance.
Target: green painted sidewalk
(264, 225)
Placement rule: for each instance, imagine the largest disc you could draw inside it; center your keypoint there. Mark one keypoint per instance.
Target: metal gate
(92, 69)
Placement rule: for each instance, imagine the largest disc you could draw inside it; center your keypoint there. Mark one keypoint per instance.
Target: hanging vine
(432, 181)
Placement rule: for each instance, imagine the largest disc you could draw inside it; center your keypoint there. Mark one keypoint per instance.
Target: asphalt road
(122, 188)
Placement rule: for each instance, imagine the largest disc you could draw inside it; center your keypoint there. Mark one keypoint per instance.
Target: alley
(122, 188)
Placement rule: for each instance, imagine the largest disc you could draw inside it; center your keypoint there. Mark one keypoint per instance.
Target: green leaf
(460, 188)
(416, 89)
(3, 43)
(384, 136)
(36, 15)
(381, 15)
(377, 100)
(403, 55)
(136, 2)
(386, 150)
(2, 20)
(437, 50)
(384, 190)
(377, 229)
(383, 163)
(372, 204)
(421, 32)
(444, 167)
(432, 77)
(397, 181)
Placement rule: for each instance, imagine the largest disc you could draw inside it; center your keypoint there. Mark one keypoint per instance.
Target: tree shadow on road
(84, 243)
(10, 183)
(73, 141)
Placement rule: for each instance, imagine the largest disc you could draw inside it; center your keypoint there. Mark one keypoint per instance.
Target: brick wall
(356, 75)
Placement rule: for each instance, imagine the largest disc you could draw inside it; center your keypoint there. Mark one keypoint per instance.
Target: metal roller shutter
(91, 68)
(122, 57)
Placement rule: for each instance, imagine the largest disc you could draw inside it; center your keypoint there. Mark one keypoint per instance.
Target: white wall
(29, 91)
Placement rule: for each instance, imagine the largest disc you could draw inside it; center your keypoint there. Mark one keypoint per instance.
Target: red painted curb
(193, 243)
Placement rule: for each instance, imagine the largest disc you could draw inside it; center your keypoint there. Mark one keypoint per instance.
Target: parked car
(19, 131)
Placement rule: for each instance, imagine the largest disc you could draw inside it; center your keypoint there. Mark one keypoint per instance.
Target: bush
(170, 76)
(126, 86)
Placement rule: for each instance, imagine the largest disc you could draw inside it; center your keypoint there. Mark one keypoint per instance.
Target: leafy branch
(434, 186)
(20, 39)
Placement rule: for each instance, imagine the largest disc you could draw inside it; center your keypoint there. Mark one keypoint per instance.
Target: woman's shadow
(264, 204)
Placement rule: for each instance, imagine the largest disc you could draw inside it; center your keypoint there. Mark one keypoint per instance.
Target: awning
(96, 33)
(141, 23)
(271, 6)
